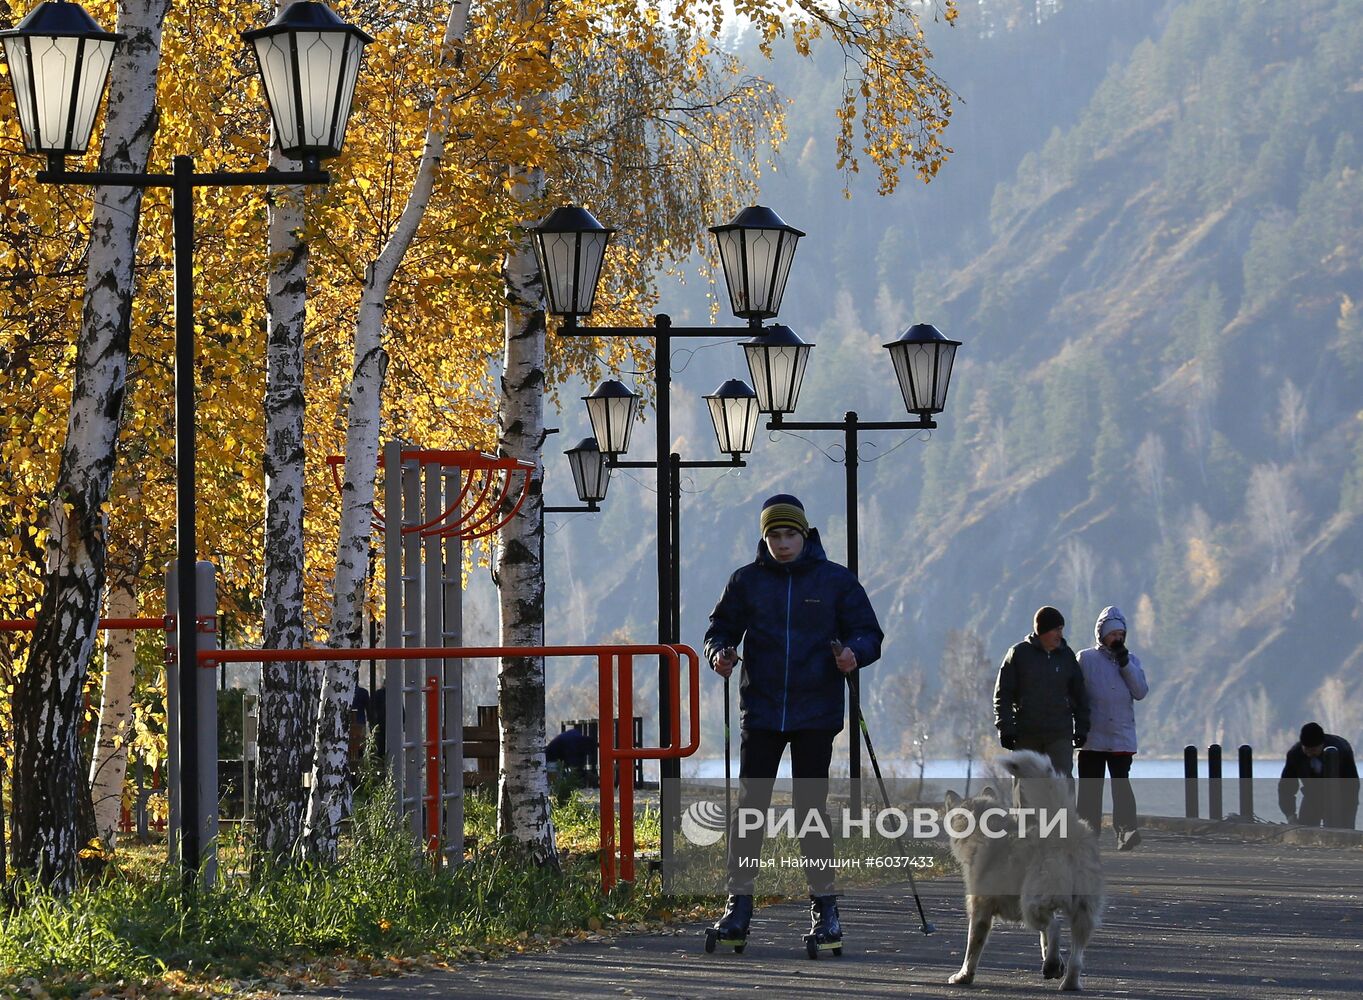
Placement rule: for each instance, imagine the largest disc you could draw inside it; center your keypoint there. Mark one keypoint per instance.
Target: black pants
(1092, 764)
(1060, 750)
(759, 757)
(1314, 801)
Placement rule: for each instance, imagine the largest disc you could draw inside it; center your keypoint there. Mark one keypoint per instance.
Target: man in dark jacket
(1305, 767)
(1039, 699)
(805, 623)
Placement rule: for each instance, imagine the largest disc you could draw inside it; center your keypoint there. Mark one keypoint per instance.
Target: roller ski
(825, 930)
(731, 930)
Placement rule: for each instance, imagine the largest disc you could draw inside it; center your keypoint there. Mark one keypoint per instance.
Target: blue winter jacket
(786, 615)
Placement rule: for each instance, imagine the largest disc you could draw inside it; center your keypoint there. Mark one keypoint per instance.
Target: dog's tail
(1039, 786)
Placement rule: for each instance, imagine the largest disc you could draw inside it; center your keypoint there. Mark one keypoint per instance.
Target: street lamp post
(756, 250)
(923, 361)
(59, 61)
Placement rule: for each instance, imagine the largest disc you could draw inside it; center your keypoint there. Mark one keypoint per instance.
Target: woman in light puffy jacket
(1114, 681)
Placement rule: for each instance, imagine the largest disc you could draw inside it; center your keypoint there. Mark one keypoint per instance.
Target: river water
(1157, 782)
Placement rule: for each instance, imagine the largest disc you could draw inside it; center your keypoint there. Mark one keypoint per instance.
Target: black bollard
(1246, 783)
(1333, 798)
(1214, 809)
(1190, 782)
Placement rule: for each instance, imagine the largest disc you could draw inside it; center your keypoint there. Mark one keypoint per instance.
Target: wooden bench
(481, 746)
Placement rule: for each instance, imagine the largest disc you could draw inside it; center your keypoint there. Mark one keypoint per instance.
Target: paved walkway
(1186, 917)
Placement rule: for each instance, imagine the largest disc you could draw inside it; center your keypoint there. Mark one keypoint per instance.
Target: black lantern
(611, 408)
(591, 474)
(734, 410)
(756, 250)
(59, 60)
(776, 360)
(309, 60)
(922, 362)
(571, 245)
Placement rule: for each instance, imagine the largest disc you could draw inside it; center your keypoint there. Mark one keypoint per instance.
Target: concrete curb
(1267, 833)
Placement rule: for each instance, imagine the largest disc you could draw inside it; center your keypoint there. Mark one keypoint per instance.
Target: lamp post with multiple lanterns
(923, 360)
(309, 59)
(756, 251)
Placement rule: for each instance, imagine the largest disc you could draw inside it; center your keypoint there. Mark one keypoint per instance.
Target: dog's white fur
(1030, 879)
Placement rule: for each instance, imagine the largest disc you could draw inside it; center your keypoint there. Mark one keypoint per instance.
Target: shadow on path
(1186, 917)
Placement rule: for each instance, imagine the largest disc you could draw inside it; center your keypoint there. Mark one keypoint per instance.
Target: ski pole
(854, 683)
(730, 653)
(928, 928)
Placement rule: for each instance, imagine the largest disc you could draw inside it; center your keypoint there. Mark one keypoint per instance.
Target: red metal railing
(616, 704)
(615, 701)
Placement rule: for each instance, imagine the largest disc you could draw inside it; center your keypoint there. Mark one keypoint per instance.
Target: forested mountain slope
(1166, 412)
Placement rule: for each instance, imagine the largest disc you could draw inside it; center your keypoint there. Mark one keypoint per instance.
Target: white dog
(1013, 872)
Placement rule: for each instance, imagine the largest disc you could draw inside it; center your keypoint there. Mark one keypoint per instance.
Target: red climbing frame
(474, 512)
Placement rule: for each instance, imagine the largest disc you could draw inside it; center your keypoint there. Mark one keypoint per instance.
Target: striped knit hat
(784, 511)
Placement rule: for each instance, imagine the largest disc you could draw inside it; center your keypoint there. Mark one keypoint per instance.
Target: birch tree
(904, 706)
(1271, 508)
(47, 698)
(109, 761)
(650, 106)
(1150, 466)
(1337, 708)
(286, 708)
(523, 791)
(326, 799)
(964, 706)
(1291, 416)
(1078, 564)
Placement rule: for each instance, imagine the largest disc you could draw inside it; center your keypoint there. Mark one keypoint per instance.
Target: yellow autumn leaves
(633, 110)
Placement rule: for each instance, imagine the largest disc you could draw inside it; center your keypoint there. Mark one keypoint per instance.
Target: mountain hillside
(1165, 409)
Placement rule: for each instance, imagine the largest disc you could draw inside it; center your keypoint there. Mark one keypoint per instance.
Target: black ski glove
(1008, 741)
(1120, 651)
(1080, 740)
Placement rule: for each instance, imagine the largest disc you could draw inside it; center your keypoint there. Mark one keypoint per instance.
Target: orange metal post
(623, 729)
(605, 757)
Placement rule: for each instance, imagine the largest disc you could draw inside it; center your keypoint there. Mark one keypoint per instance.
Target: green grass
(382, 907)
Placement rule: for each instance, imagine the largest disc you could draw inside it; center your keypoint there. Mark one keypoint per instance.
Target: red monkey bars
(467, 517)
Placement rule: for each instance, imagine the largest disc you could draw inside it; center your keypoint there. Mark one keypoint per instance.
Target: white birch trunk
(286, 689)
(109, 763)
(48, 776)
(523, 794)
(327, 794)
